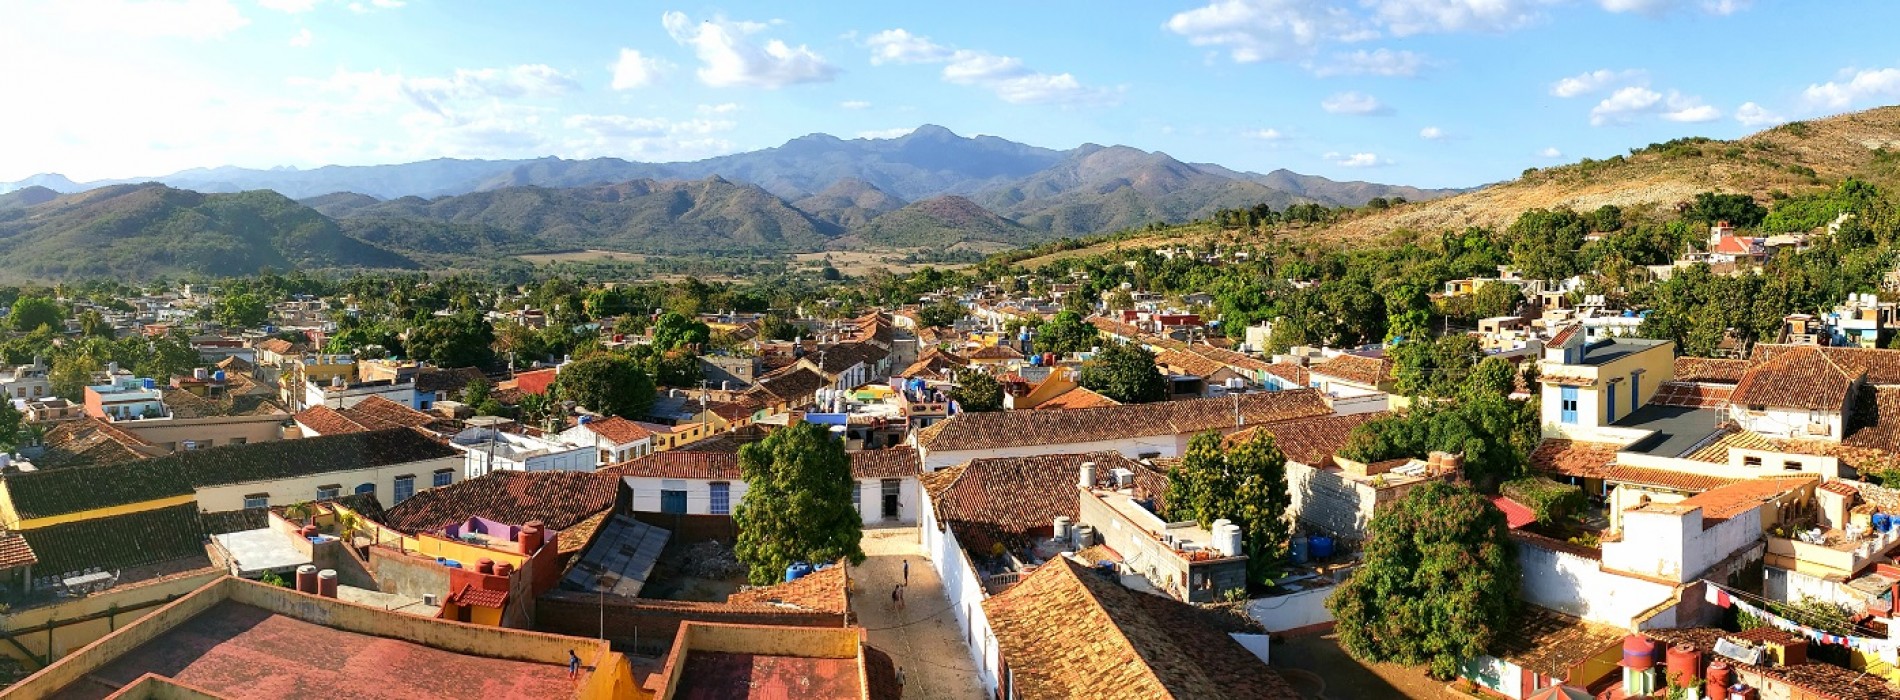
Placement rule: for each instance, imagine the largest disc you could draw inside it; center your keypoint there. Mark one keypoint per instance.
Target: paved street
(1320, 670)
(923, 638)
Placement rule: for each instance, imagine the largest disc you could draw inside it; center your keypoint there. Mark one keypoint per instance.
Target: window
(232, 441)
(1636, 390)
(1791, 466)
(405, 487)
(1751, 461)
(441, 478)
(672, 496)
(257, 500)
(857, 497)
(329, 492)
(721, 498)
(1567, 405)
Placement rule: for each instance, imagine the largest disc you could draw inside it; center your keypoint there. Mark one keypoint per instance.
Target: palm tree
(299, 511)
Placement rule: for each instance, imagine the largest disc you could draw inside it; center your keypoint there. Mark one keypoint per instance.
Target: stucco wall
(1577, 586)
(871, 501)
(965, 592)
(208, 432)
(217, 499)
(1292, 611)
(408, 576)
(114, 603)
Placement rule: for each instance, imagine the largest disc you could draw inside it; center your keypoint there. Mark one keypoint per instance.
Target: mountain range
(929, 189)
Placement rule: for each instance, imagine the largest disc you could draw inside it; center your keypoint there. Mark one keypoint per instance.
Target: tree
(1066, 334)
(166, 355)
(1545, 241)
(11, 421)
(70, 375)
(675, 330)
(1438, 584)
(31, 312)
(1125, 373)
(1739, 210)
(775, 327)
(978, 392)
(608, 384)
(1497, 299)
(1244, 482)
(93, 325)
(1495, 435)
(1494, 376)
(1607, 218)
(242, 311)
(462, 340)
(944, 312)
(797, 506)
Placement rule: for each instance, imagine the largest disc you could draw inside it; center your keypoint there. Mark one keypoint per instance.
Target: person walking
(573, 664)
(897, 598)
(906, 572)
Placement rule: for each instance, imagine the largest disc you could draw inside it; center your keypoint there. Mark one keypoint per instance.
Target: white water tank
(1063, 527)
(1124, 478)
(1228, 541)
(1087, 478)
(1084, 536)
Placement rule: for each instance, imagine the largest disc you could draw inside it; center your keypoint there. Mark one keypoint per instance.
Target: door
(1609, 399)
(891, 487)
(1567, 408)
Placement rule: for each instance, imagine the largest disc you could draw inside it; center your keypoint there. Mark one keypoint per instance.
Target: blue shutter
(1636, 391)
(1609, 403)
(1567, 410)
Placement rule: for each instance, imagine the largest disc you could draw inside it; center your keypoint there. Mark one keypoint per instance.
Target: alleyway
(922, 638)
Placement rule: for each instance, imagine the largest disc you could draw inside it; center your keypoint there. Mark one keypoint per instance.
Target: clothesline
(1870, 645)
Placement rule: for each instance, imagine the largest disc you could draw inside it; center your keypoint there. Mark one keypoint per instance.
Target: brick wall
(649, 626)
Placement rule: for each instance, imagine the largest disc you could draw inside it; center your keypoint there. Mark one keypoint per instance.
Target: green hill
(941, 223)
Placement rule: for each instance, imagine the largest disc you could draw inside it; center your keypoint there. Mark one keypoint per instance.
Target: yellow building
(1589, 385)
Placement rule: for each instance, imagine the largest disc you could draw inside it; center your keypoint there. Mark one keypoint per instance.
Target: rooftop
(727, 662)
(1550, 643)
(1008, 500)
(1802, 378)
(557, 499)
(621, 557)
(1678, 430)
(982, 431)
(1605, 351)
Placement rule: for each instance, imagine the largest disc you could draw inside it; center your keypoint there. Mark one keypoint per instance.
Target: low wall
(1293, 612)
(74, 623)
(1577, 585)
(406, 575)
(648, 625)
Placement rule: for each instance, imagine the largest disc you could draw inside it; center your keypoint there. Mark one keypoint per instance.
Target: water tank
(307, 578)
(1720, 677)
(1743, 692)
(217, 376)
(326, 583)
(1882, 522)
(1048, 359)
(1063, 526)
(1086, 479)
(485, 565)
(1228, 541)
(503, 568)
(1035, 360)
(1084, 536)
(148, 383)
(528, 541)
(585, 419)
(1684, 664)
(797, 571)
(1639, 654)
(1320, 546)
(1297, 547)
(1236, 383)
(453, 564)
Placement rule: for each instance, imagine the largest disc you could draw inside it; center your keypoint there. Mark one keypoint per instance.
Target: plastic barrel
(1320, 547)
(1882, 522)
(1298, 547)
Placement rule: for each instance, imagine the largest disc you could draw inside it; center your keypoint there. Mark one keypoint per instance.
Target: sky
(1435, 93)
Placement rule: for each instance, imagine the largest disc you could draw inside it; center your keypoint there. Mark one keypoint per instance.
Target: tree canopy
(609, 384)
(31, 312)
(462, 340)
(1495, 435)
(242, 310)
(1244, 483)
(674, 331)
(977, 392)
(797, 506)
(1066, 334)
(1438, 584)
(1124, 372)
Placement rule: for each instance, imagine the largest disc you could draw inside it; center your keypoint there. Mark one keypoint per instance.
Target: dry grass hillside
(1793, 158)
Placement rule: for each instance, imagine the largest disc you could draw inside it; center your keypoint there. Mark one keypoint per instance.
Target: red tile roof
(1724, 502)
(1068, 632)
(1881, 367)
(1013, 499)
(1662, 478)
(1802, 378)
(1079, 397)
(15, 552)
(1691, 395)
(618, 431)
(535, 382)
(997, 352)
(1839, 487)
(697, 464)
(1310, 441)
(981, 431)
(1814, 678)
(1358, 369)
(88, 442)
(1293, 374)
(1704, 369)
(1183, 362)
(479, 597)
(559, 499)
(827, 590)
(1516, 514)
(1572, 458)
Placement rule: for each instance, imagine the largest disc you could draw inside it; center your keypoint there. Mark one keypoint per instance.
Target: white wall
(646, 493)
(1790, 586)
(1577, 586)
(965, 592)
(1789, 423)
(1292, 611)
(214, 499)
(871, 501)
(1676, 546)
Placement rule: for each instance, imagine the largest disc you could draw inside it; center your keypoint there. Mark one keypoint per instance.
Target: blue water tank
(797, 571)
(1298, 547)
(148, 383)
(217, 376)
(1883, 522)
(1320, 547)
(453, 564)
(1035, 360)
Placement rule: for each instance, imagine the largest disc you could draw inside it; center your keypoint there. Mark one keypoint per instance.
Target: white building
(684, 482)
(614, 439)
(486, 449)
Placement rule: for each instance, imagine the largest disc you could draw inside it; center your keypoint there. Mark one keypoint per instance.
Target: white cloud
(291, 6)
(1658, 8)
(721, 108)
(900, 46)
(1628, 104)
(854, 104)
(1751, 114)
(302, 38)
(1863, 87)
(528, 80)
(1725, 7)
(1356, 103)
(1006, 76)
(886, 133)
(374, 5)
(1597, 81)
(1260, 30)
(647, 138)
(188, 19)
(1268, 134)
(1380, 62)
(636, 70)
(1550, 152)
(1407, 17)
(1356, 160)
(730, 56)
(1432, 133)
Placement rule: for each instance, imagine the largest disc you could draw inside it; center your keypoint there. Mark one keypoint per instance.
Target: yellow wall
(69, 637)
(217, 499)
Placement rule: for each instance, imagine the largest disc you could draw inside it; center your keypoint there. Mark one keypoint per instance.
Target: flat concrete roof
(713, 675)
(257, 552)
(238, 650)
(1598, 352)
(1679, 429)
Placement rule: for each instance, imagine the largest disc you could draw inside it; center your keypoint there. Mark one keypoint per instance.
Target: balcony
(1831, 553)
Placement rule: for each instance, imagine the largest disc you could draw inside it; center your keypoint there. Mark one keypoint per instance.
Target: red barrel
(326, 583)
(1719, 679)
(485, 566)
(1684, 664)
(307, 579)
(1638, 653)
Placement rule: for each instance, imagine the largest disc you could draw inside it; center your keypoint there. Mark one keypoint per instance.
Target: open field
(582, 256)
(858, 262)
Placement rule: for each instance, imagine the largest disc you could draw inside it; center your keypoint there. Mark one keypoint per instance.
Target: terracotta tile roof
(1692, 395)
(893, 463)
(1703, 369)
(1079, 397)
(1861, 458)
(238, 399)
(234, 364)
(1358, 369)
(119, 541)
(1067, 632)
(559, 499)
(1236, 360)
(1010, 500)
(1114, 327)
(1815, 678)
(1183, 362)
(1881, 367)
(279, 346)
(1310, 441)
(478, 597)
(1550, 643)
(1724, 502)
(618, 431)
(980, 431)
(88, 442)
(323, 420)
(933, 362)
(15, 552)
(1803, 378)
(378, 413)
(794, 385)
(824, 591)
(1564, 336)
(1876, 421)
(1291, 373)
(577, 537)
(446, 379)
(1839, 487)
(1732, 438)
(535, 382)
(1662, 478)
(695, 464)
(997, 352)
(1572, 458)
(1516, 514)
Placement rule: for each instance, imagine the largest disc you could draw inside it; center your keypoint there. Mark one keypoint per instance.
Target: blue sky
(1424, 92)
